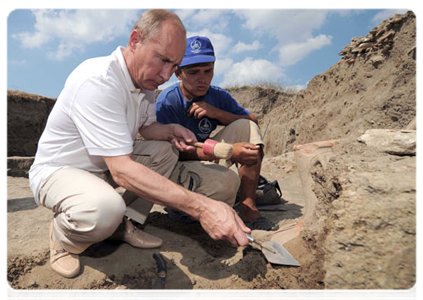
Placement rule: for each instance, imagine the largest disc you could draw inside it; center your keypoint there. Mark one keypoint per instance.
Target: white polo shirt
(98, 113)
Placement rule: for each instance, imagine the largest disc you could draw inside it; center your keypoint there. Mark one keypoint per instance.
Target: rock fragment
(396, 142)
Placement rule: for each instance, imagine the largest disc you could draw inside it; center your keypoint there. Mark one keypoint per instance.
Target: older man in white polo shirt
(87, 149)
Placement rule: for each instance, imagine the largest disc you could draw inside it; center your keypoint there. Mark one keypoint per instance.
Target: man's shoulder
(169, 93)
(103, 67)
(217, 89)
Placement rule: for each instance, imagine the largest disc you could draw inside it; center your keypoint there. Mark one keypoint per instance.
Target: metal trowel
(275, 253)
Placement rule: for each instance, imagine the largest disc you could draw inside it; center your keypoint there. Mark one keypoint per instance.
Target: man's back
(79, 128)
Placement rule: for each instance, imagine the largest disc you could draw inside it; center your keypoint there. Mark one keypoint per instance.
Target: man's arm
(218, 219)
(201, 108)
(178, 135)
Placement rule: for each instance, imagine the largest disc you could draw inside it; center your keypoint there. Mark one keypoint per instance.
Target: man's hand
(221, 222)
(246, 153)
(178, 135)
(200, 109)
(218, 219)
(182, 138)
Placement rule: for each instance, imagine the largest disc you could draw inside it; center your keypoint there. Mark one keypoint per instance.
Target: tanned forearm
(201, 109)
(153, 187)
(198, 154)
(218, 219)
(156, 131)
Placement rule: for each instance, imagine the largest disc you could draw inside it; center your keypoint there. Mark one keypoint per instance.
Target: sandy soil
(194, 260)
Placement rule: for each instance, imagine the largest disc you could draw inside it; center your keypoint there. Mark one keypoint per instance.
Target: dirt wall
(26, 118)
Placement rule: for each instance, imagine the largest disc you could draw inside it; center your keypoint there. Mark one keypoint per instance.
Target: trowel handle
(249, 237)
(252, 240)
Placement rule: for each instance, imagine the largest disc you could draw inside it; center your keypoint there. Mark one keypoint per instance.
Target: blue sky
(283, 46)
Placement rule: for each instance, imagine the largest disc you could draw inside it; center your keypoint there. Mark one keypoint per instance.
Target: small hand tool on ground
(275, 253)
(211, 147)
(162, 271)
(252, 240)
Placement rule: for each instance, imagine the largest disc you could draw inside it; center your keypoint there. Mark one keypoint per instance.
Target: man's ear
(134, 38)
(178, 73)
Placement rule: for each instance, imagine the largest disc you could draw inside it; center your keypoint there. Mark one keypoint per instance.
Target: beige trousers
(217, 181)
(87, 208)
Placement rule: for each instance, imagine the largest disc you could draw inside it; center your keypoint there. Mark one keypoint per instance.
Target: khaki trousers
(218, 181)
(87, 208)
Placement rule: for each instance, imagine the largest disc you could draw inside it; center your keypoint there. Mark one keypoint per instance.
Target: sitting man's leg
(86, 210)
(158, 156)
(206, 178)
(244, 130)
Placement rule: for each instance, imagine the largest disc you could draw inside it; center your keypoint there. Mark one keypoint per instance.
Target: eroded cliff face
(26, 118)
(372, 86)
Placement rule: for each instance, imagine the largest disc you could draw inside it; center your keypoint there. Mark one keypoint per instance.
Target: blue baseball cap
(199, 50)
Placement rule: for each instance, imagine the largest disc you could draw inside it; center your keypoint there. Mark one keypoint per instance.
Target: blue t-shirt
(171, 107)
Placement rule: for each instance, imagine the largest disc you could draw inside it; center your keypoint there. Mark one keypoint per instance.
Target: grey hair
(149, 23)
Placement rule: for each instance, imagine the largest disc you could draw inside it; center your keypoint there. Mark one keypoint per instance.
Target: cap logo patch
(195, 46)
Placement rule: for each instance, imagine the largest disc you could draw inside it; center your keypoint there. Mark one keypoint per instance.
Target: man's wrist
(170, 131)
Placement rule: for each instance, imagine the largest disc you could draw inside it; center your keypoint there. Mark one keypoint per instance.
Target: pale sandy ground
(194, 260)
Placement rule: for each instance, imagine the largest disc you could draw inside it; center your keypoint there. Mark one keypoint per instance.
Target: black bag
(268, 193)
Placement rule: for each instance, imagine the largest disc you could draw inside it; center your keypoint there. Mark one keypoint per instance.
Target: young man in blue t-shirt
(200, 107)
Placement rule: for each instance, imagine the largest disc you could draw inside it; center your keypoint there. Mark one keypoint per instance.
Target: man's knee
(209, 179)
(110, 212)
(167, 153)
(223, 187)
(96, 218)
(230, 185)
(242, 122)
(159, 156)
(241, 130)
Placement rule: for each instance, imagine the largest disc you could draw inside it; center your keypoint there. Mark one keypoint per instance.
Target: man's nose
(201, 78)
(167, 71)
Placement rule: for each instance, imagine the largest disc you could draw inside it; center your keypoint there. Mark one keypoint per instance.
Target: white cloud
(295, 88)
(285, 25)
(251, 71)
(293, 53)
(32, 40)
(241, 47)
(206, 16)
(184, 14)
(221, 66)
(386, 14)
(63, 51)
(292, 30)
(214, 19)
(73, 28)
(220, 41)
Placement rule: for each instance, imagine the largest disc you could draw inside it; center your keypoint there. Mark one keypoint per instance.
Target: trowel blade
(281, 257)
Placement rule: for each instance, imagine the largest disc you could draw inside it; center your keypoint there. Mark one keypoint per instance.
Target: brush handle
(198, 144)
(208, 146)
